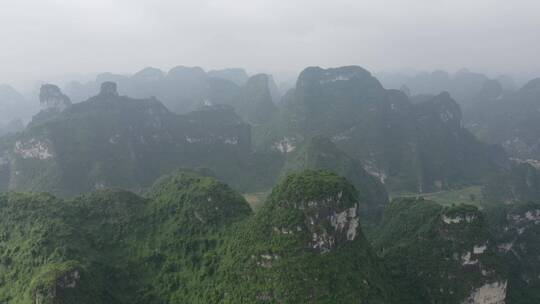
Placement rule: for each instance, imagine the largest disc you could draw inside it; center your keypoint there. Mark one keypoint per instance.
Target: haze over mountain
(420, 147)
(264, 36)
(192, 238)
(264, 152)
(465, 86)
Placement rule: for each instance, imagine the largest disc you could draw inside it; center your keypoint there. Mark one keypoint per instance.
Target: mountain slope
(192, 239)
(304, 246)
(511, 120)
(14, 106)
(411, 147)
(441, 254)
(116, 141)
(520, 183)
(114, 246)
(320, 153)
(516, 228)
(185, 89)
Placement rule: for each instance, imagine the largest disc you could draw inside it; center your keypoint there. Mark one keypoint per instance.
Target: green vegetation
(437, 254)
(299, 249)
(420, 147)
(320, 153)
(114, 141)
(114, 246)
(190, 239)
(516, 229)
(457, 233)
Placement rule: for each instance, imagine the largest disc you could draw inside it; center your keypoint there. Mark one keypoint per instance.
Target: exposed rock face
(467, 218)
(53, 103)
(330, 220)
(285, 145)
(416, 233)
(516, 228)
(33, 149)
(344, 224)
(301, 246)
(52, 99)
(56, 285)
(491, 293)
(53, 294)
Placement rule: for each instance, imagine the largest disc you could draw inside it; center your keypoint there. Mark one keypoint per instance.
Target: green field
(469, 195)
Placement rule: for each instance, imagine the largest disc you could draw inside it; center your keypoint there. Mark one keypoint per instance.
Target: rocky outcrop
(52, 99)
(56, 284)
(516, 228)
(491, 293)
(417, 235)
(302, 245)
(33, 149)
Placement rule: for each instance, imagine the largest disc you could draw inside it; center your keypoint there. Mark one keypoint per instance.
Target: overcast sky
(42, 39)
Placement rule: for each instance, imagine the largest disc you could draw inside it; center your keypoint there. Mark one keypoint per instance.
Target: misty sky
(42, 39)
